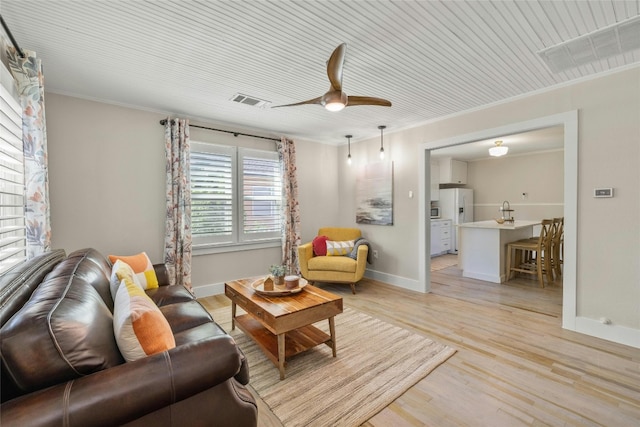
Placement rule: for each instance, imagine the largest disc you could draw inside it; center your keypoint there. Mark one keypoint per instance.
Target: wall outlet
(375, 253)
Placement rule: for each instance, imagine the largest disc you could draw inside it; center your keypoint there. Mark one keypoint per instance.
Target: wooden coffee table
(282, 326)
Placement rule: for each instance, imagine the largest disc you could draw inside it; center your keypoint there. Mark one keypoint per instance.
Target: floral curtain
(27, 73)
(177, 243)
(291, 211)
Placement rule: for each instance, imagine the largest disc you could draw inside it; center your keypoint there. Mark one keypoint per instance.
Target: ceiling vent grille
(250, 100)
(616, 39)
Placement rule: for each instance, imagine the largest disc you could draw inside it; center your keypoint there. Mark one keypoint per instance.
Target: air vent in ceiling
(250, 100)
(613, 40)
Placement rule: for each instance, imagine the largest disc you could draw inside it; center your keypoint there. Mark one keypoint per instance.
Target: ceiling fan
(335, 99)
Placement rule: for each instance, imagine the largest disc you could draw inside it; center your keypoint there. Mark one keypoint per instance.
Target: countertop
(506, 226)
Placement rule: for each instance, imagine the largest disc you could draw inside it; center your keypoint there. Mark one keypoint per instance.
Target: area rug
(376, 363)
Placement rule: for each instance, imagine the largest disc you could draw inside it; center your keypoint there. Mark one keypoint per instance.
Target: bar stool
(557, 246)
(532, 256)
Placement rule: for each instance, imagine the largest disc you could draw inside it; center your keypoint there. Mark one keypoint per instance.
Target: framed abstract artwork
(374, 194)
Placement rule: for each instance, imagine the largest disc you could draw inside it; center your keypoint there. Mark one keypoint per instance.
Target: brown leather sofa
(61, 365)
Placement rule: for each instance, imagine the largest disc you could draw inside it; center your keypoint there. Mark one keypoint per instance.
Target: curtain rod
(13, 41)
(164, 122)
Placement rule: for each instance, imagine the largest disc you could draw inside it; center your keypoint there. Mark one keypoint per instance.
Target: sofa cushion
(139, 326)
(63, 332)
(185, 315)
(165, 295)
(320, 245)
(339, 248)
(333, 263)
(94, 269)
(142, 266)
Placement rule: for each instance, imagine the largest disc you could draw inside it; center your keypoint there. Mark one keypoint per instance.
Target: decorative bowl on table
(278, 290)
(499, 220)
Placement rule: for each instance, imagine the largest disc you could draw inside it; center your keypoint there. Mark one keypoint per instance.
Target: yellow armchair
(334, 269)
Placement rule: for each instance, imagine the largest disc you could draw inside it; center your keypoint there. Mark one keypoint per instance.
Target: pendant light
(381, 142)
(349, 148)
(498, 150)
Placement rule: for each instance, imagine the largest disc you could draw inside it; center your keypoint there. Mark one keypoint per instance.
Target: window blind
(12, 204)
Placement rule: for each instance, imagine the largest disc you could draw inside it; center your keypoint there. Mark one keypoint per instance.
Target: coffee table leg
(281, 354)
(233, 315)
(332, 330)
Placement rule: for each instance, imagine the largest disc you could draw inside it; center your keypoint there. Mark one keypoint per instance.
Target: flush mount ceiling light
(498, 150)
(349, 148)
(381, 143)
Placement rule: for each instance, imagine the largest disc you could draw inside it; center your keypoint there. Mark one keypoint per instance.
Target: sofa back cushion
(17, 284)
(64, 331)
(94, 269)
(340, 233)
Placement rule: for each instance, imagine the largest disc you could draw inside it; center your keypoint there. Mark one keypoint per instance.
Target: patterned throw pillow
(337, 248)
(139, 326)
(142, 267)
(320, 245)
(119, 272)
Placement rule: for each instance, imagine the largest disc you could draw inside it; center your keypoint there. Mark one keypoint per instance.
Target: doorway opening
(569, 123)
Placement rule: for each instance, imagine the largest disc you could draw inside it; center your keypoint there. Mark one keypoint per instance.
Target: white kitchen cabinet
(453, 171)
(435, 238)
(440, 237)
(435, 181)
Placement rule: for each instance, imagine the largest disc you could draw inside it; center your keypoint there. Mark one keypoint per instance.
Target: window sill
(234, 247)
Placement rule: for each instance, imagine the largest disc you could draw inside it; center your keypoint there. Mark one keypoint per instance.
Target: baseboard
(616, 333)
(399, 281)
(209, 290)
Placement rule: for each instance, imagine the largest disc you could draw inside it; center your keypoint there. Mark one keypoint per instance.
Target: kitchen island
(483, 247)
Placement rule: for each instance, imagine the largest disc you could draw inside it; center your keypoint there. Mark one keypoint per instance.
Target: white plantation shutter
(261, 186)
(12, 221)
(212, 175)
(236, 195)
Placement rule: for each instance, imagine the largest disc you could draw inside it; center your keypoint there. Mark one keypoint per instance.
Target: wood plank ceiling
(188, 58)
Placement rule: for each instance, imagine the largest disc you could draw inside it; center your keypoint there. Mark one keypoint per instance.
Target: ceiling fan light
(334, 100)
(498, 150)
(334, 106)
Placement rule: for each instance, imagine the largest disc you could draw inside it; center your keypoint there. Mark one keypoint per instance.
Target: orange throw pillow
(141, 266)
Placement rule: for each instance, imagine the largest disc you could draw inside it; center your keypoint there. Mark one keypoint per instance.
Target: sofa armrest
(361, 259)
(162, 274)
(129, 391)
(305, 253)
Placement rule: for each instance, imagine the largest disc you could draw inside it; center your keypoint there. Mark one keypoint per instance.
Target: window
(236, 197)
(12, 212)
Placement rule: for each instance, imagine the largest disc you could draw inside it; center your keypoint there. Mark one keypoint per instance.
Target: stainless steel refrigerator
(456, 204)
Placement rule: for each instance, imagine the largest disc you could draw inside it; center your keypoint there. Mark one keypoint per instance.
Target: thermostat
(603, 192)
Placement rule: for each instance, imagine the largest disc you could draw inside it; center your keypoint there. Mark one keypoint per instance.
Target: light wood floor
(515, 365)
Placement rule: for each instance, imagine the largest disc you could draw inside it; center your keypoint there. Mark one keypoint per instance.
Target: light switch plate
(603, 192)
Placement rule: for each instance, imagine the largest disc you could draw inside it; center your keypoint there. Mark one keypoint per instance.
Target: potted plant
(277, 271)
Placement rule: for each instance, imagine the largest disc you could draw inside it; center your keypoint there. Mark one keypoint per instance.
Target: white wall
(539, 175)
(107, 185)
(608, 230)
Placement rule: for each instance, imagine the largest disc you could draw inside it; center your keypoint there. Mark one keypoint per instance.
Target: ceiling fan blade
(334, 66)
(367, 100)
(310, 101)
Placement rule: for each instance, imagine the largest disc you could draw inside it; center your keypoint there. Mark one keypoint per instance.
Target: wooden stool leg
(539, 268)
(508, 275)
